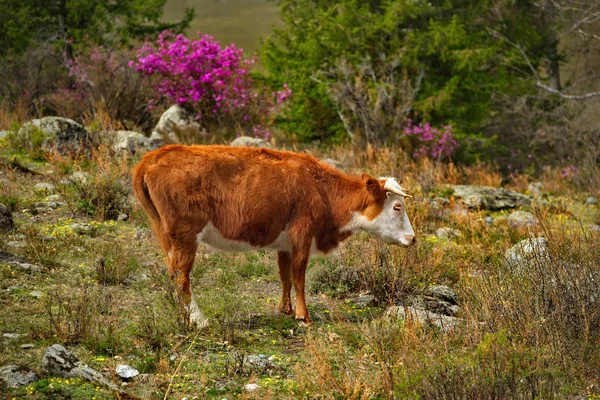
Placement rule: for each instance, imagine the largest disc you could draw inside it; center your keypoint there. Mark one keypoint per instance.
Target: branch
(538, 81)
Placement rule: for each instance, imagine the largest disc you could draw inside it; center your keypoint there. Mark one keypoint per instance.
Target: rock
(251, 387)
(61, 135)
(37, 294)
(488, 220)
(122, 217)
(6, 220)
(48, 204)
(27, 346)
(17, 375)
(247, 141)
(129, 142)
(54, 198)
(521, 220)
(44, 187)
(443, 322)
(489, 198)
(591, 201)
(595, 228)
(17, 262)
(176, 125)
(82, 228)
(334, 163)
(526, 253)
(13, 336)
(126, 372)
(4, 134)
(76, 178)
(442, 292)
(258, 364)
(365, 300)
(16, 243)
(58, 361)
(535, 188)
(447, 233)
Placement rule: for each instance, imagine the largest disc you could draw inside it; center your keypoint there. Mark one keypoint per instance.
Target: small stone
(48, 204)
(27, 346)
(53, 197)
(251, 387)
(17, 375)
(82, 228)
(44, 187)
(447, 233)
(595, 228)
(13, 336)
(247, 141)
(521, 220)
(442, 292)
(365, 300)
(122, 217)
(126, 372)
(591, 201)
(535, 188)
(488, 220)
(15, 243)
(37, 294)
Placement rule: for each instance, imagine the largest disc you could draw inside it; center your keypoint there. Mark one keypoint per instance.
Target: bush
(212, 82)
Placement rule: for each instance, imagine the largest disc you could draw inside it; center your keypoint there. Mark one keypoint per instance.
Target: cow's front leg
(180, 260)
(284, 260)
(299, 262)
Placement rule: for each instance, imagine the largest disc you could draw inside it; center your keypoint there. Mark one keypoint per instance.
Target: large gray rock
(442, 292)
(17, 375)
(247, 141)
(61, 135)
(258, 364)
(126, 372)
(129, 142)
(525, 254)
(58, 361)
(17, 262)
(6, 220)
(176, 125)
(489, 198)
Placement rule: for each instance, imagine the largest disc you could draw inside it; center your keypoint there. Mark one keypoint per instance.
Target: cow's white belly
(212, 237)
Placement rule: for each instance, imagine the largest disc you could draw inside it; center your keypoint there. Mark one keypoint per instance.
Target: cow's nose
(409, 240)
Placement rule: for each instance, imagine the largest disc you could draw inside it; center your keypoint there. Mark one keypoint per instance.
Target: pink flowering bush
(210, 80)
(431, 142)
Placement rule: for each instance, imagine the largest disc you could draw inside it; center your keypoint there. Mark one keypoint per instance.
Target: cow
(242, 199)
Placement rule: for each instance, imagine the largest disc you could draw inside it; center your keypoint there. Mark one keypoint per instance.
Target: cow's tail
(140, 189)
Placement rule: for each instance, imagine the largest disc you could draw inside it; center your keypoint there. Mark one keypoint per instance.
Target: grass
(106, 296)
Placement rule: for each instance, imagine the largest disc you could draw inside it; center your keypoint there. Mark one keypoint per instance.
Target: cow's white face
(387, 219)
(392, 225)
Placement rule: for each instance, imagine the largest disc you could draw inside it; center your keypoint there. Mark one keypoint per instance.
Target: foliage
(70, 23)
(431, 142)
(463, 65)
(212, 81)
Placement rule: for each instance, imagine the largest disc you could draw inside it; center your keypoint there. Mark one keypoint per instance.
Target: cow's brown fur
(250, 195)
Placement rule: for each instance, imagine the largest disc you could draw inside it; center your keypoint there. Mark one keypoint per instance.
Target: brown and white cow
(244, 199)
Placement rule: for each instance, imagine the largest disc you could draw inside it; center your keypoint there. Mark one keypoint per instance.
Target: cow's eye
(398, 207)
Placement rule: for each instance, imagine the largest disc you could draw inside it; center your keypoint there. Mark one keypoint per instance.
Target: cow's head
(387, 218)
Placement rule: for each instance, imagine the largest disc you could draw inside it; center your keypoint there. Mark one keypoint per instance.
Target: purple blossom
(432, 142)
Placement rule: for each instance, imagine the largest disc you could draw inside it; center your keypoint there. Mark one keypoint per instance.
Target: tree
(70, 23)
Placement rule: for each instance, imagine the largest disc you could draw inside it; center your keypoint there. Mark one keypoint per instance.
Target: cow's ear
(373, 186)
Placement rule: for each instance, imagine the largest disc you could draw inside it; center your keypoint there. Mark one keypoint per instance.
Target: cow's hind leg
(299, 262)
(180, 259)
(284, 260)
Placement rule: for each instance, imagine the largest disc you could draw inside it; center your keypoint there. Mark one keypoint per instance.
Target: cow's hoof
(287, 309)
(304, 322)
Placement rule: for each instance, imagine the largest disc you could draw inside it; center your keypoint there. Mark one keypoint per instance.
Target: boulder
(526, 253)
(489, 198)
(17, 375)
(247, 141)
(442, 292)
(44, 187)
(176, 125)
(131, 143)
(61, 135)
(58, 361)
(17, 262)
(6, 220)
(521, 220)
